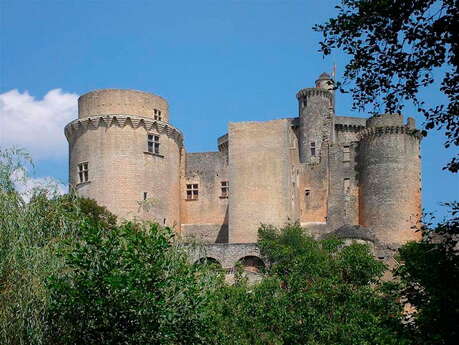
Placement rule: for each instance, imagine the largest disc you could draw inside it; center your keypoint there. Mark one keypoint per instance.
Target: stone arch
(252, 263)
(208, 260)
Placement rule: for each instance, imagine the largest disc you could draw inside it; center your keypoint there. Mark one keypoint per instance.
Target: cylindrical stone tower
(125, 154)
(389, 174)
(316, 119)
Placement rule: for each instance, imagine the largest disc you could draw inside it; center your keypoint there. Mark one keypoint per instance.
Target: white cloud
(37, 125)
(26, 185)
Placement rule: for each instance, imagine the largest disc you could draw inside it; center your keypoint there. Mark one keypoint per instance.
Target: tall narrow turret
(316, 119)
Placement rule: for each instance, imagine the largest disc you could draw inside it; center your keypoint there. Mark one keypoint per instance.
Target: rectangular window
(347, 185)
(157, 114)
(225, 189)
(83, 172)
(346, 154)
(153, 143)
(313, 149)
(192, 191)
(145, 195)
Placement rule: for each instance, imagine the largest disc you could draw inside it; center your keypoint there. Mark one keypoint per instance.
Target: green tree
(130, 285)
(397, 48)
(429, 277)
(313, 292)
(30, 234)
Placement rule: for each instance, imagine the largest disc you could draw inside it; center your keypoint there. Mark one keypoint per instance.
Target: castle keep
(358, 178)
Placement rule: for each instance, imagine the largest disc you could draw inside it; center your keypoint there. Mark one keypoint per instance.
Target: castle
(358, 178)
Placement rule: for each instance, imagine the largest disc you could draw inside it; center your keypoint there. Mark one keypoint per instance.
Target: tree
(129, 285)
(313, 292)
(429, 277)
(397, 48)
(30, 235)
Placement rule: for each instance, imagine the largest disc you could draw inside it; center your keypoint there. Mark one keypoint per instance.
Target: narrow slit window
(225, 189)
(313, 149)
(307, 193)
(346, 154)
(192, 191)
(83, 172)
(153, 143)
(145, 195)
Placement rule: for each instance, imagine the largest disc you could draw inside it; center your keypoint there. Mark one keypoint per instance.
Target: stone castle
(354, 177)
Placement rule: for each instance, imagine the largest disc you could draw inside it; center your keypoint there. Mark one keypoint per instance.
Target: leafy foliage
(130, 285)
(397, 48)
(430, 282)
(314, 292)
(30, 234)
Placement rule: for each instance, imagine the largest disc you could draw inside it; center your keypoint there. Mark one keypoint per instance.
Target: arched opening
(208, 261)
(252, 264)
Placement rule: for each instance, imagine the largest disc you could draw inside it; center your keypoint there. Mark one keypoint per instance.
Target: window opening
(225, 189)
(347, 185)
(313, 149)
(192, 191)
(153, 143)
(145, 195)
(157, 114)
(83, 172)
(346, 154)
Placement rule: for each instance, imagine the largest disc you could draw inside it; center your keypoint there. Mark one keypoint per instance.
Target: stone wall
(227, 255)
(260, 177)
(206, 218)
(127, 102)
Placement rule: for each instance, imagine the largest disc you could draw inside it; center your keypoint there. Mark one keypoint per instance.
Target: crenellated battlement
(121, 121)
(314, 92)
(387, 130)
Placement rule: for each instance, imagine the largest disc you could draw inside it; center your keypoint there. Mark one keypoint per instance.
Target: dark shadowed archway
(252, 264)
(209, 261)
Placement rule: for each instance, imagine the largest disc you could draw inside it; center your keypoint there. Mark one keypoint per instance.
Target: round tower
(389, 174)
(316, 118)
(125, 154)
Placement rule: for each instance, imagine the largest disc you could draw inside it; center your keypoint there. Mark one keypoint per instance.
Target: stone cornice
(379, 131)
(120, 120)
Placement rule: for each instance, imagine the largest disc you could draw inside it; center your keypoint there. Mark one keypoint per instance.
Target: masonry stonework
(356, 178)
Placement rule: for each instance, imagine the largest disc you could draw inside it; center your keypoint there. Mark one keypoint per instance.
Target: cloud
(37, 125)
(26, 185)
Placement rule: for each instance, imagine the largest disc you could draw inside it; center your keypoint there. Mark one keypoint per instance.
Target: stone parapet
(379, 131)
(117, 101)
(310, 92)
(122, 121)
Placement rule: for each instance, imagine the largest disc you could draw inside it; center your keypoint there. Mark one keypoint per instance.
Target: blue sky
(215, 61)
